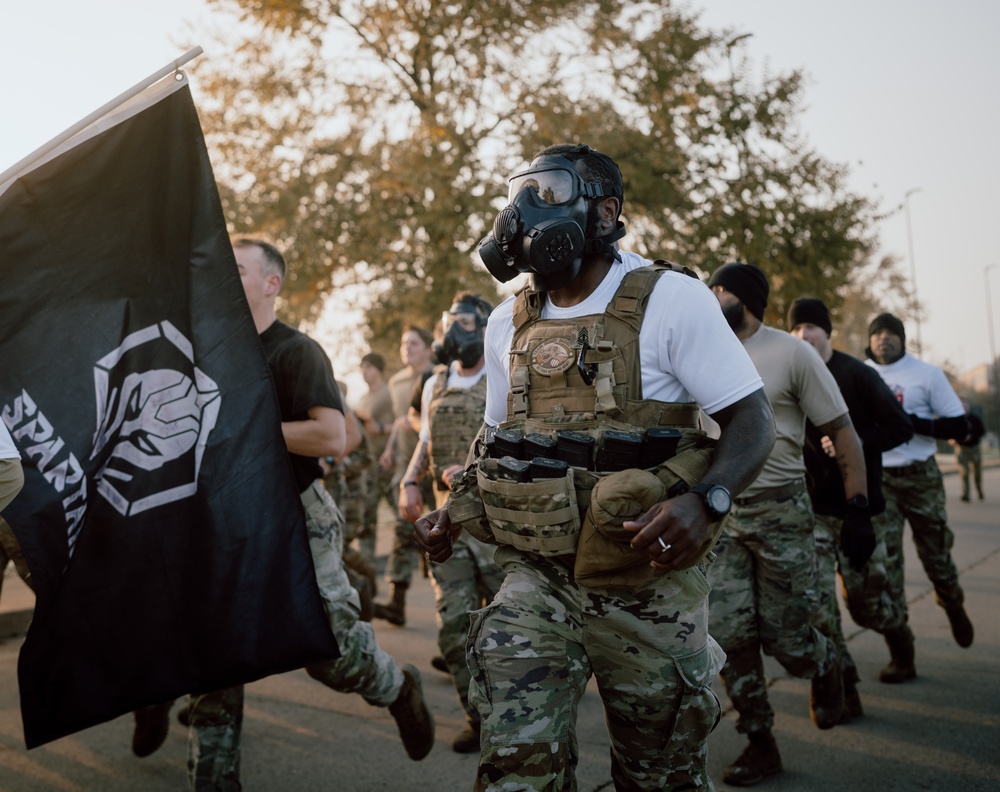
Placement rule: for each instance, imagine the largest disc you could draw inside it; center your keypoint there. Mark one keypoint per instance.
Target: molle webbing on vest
(455, 416)
(545, 355)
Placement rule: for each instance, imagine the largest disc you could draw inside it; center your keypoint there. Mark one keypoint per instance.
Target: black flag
(159, 516)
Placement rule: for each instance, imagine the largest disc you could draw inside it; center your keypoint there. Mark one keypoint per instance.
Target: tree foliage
(372, 138)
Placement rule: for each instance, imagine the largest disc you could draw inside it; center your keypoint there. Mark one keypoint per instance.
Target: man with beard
(914, 489)
(764, 585)
(881, 424)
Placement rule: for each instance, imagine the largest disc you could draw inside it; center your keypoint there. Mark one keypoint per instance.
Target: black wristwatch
(859, 502)
(716, 498)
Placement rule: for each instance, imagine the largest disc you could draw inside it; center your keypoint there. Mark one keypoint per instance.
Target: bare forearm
(746, 440)
(321, 434)
(849, 455)
(419, 463)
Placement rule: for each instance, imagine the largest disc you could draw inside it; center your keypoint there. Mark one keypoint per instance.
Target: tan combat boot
(413, 718)
(394, 611)
(961, 627)
(826, 697)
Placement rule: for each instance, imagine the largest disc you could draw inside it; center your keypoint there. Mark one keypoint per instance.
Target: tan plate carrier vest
(548, 394)
(455, 416)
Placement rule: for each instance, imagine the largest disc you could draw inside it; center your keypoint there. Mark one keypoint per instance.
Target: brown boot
(759, 759)
(901, 651)
(826, 698)
(961, 627)
(394, 611)
(151, 726)
(413, 718)
(363, 586)
(467, 741)
(852, 700)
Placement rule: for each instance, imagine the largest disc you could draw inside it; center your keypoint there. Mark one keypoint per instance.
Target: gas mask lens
(554, 187)
(462, 321)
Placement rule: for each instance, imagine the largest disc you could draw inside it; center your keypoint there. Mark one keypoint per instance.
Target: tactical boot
(961, 627)
(467, 741)
(438, 663)
(826, 698)
(394, 611)
(852, 701)
(151, 726)
(363, 586)
(900, 668)
(759, 759)
(413, 718)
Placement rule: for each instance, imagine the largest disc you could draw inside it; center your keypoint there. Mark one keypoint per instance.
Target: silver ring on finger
(663, 544)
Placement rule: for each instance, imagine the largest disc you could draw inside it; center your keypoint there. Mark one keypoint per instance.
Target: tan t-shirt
(799, 386)
(376, 405)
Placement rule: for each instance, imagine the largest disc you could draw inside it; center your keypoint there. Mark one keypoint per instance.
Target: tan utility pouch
(539, 517)
(604, 558)
(465, 506)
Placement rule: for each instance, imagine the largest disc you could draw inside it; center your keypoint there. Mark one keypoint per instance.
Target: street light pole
(913, 266)
(993, 352)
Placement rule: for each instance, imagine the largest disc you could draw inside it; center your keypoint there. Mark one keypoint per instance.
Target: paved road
(938, 733)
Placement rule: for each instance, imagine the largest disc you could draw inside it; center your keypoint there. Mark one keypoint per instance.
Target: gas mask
(464, 326)
(543, 229)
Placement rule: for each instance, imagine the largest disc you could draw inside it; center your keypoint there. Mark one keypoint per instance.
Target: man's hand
(449, 473)
(434, 534)
(411, 502)
(857, 537)
(678, 524)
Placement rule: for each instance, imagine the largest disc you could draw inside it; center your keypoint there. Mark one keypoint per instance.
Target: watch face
(718, 500)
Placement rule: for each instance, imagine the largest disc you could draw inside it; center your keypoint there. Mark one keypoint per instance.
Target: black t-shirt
(303, 378)
(881, 424)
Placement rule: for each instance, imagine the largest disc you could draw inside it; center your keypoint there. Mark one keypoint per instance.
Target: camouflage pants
(864, 592)
(918, 498)
(355, 508)
(534, 648)
(403, 557)
(970, 458)
(764, 596)
(461, 585)
(363, 667)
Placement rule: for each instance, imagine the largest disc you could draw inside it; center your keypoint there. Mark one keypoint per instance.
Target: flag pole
(135, 90)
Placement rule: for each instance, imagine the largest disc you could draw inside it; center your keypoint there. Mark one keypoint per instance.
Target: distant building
(976, 380)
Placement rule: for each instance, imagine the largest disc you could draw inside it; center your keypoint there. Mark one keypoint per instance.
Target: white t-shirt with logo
(924, 391)
(687, 352)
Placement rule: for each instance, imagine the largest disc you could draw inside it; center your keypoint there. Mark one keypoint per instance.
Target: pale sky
(906, 93)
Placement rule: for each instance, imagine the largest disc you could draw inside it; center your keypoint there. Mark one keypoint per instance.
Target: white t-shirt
(924, 391)
(455, 380)
(686, 350)
(7, 448)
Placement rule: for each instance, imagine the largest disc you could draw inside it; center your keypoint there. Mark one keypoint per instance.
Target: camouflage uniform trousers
(354, 506)
(764, 597)
(918, 498)
(864, 592)
(363, 667)
(461, 586)
(403, 557)
(534, 648)
(970, 457)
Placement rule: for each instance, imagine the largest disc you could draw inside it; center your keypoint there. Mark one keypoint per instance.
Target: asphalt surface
(940, 732)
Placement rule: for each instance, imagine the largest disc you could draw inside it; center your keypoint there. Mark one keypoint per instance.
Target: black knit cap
(886, 321)
(809, 310)
(747, 282)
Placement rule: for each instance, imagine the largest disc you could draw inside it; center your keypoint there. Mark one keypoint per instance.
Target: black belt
(773, 494)
(907, 470)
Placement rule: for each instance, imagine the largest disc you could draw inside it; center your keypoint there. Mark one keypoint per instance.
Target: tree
(373, 137)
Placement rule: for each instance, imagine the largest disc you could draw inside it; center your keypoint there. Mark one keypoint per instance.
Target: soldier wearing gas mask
(603, 527)
(451, 414)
